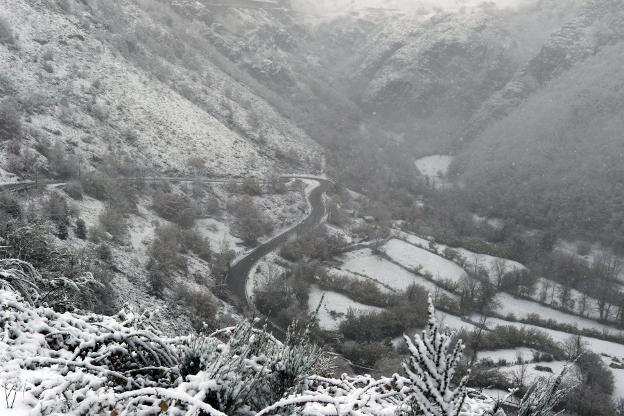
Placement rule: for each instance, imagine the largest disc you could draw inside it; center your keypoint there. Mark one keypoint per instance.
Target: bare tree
(565, 297)
(605, 270)
(619, 301)
(499, 270)
(573, 347)
(519, 376)
(583, 303)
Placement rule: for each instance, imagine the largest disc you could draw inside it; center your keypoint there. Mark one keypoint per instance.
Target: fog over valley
(341, 6)
(297, 208)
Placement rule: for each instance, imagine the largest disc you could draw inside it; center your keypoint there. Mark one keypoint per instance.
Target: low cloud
(337, 6)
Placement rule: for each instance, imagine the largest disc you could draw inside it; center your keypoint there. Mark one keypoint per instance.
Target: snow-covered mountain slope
(558, 131)
(425, 74)
(135, 78)
(599, 24)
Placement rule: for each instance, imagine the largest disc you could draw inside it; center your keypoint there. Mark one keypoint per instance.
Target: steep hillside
(598, 24)
(548, 148)
(557, 159)
(425, 75)
(138, 79)
(277, 54)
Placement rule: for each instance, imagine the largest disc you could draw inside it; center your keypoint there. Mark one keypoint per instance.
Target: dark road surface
(239, 272)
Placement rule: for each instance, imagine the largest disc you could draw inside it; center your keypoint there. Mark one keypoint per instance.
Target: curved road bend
(239, 272)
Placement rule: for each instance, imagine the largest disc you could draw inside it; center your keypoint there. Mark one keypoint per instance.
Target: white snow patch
(218, 233)
(415, 258)
(434, 166)
(334, 308)
(470, 258)
(386, 272)
(435, 169)
(454, 322)
(509, 355)
(264, 269)
(521, 308)
(596, 345)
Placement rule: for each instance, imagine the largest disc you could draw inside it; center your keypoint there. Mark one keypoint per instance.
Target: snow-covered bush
(59, 290)
(87, 364)
(543, 396)
(431, 366)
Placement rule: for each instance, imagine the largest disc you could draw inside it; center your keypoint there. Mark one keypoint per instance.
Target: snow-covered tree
(431, 366)
(543, 396)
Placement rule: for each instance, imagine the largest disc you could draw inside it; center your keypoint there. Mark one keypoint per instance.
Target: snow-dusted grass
(385, 272)
(90, 210)
(218, 233)
(434, 166)
(484, 261)
(521, 309)
(548, 291)
(288, 210)
(334, 307)
(532, 373)
(266, 268)
(596, 250)
(510, 305)
(342, 273)
(169, 127)
(557, 366)
(495, 223)
(509, 355)
(413, 257)
(469, 258)
(339, 232)
(435, 169)
(454, 322)
(411, 238)
(596, 345)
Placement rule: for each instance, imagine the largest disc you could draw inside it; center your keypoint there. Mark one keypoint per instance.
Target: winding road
(239, 271)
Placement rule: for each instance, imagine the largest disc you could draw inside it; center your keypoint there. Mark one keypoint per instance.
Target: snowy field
(454, 322)
(509, 355)
(598, 346)
(485, 261)
(266, 268)
(595, 251)
(548, 291)
(414, 257)
(518, 307)
(385, 272)
(521, 308)
(411, 238)
(434, 166)
(334, 308)
(337, 272)
(557, 366)
(606, 349)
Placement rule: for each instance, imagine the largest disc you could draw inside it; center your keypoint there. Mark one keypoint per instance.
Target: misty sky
(328, 6)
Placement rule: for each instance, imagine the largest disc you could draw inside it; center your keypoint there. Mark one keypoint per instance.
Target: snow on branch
(87, 364)
(431, 368)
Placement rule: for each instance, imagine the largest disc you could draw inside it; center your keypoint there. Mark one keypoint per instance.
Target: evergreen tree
(431, 367)
(81, 229)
